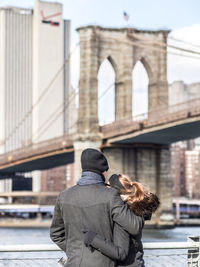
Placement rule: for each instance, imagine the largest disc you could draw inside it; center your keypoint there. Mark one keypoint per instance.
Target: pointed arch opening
(140, 84)
(106, 93)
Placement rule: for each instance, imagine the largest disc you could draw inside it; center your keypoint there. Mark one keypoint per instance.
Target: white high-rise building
(15, 77)
(50, 78)
(34, 76)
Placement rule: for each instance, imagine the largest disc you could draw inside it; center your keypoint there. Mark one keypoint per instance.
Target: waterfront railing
(156, 254)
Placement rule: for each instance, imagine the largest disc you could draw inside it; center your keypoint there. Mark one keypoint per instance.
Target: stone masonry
(124, 48)
(150, 166)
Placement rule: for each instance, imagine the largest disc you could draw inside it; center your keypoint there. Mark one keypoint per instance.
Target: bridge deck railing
(156, 117)
(155, 254)
(32, 149)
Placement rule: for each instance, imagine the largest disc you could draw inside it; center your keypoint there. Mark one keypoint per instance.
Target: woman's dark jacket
(125, 248)
(126, 244)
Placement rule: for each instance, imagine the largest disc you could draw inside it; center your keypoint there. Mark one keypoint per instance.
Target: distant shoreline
(18, 223)
(38, 223)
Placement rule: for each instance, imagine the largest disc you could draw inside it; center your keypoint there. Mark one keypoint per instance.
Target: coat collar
(88, 178)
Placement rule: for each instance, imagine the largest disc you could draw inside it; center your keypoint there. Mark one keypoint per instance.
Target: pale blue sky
(153, 14)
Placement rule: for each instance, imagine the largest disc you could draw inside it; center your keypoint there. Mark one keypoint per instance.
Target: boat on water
(25, 215)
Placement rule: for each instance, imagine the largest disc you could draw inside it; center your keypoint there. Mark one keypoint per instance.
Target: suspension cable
(61, 111)
(40, 97)
(64, 106)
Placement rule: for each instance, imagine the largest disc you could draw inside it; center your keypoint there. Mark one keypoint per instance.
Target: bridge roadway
(162, 127)
(44, 155)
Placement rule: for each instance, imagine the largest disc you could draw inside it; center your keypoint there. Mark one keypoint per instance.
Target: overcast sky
(180, 16)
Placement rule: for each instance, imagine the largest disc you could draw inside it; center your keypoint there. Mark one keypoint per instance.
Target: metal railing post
(193, 258)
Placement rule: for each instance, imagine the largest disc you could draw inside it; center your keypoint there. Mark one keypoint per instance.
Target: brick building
(185, 161)
(178, 168)
(192, 173)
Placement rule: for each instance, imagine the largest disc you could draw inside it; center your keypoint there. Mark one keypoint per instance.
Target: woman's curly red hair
(139, 200)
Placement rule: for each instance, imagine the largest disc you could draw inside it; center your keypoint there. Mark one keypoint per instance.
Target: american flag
(126, 16)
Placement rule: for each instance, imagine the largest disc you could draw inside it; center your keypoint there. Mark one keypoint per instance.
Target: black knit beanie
(114, 182)
(94, 161)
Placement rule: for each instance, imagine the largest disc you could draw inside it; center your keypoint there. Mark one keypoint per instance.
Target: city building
(34, 81)
(178, 168)
(180, 92)
(185, 160)
(192, 171)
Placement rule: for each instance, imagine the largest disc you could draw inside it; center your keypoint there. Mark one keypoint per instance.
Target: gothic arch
(111, 61)
(140, 85)
(147, 65)
(99, 43)
(106, 92)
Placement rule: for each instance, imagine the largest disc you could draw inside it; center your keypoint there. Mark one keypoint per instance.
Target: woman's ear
(104, 173)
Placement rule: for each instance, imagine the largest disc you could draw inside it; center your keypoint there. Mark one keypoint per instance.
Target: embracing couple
(100, 225)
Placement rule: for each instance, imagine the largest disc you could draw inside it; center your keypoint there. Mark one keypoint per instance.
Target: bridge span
(138, 146)
(161, 127)
(40, 156)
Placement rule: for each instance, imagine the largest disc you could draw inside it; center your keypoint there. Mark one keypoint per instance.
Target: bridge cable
(64, 106)
(40, 97)
(162, 44)
(135, 44)
(130, 42)
(182, 41)
(160, 50)
(153, 48)
(61, 111)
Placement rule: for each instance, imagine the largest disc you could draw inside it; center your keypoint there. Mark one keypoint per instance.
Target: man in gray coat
(90, 205)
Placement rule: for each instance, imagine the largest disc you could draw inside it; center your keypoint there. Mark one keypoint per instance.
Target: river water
(11, 236)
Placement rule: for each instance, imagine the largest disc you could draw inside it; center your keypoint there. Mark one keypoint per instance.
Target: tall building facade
(50, 71)
(34, 78)
(34, 74)
(16, 43)
(178, 168)
(192, 167)
(185, 159)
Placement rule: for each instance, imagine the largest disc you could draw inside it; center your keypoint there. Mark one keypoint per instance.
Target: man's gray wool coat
(93, 207)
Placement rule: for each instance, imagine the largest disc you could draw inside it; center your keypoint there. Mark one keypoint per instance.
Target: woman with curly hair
(126, 249)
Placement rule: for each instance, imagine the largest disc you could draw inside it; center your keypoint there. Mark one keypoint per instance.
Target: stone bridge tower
(124, 48)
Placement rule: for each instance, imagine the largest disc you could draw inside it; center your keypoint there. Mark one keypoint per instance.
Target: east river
(12, 236)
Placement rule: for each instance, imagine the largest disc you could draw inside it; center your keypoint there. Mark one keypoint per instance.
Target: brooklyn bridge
(135, 145)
